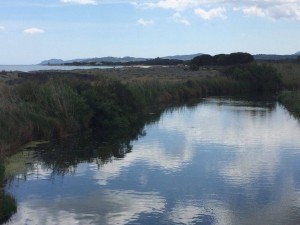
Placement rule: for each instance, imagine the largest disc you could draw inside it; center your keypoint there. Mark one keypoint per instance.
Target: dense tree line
(149, 62)
(221, 60)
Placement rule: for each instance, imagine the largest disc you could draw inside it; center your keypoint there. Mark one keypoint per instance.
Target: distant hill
(94, 60)
(114, 59)
(52, 61)
(182, 57)
(126, 59)
(111, 59)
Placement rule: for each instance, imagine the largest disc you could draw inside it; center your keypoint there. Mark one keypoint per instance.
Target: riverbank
(7, 203)
(290, 97)
(291, 100)
(45, 105)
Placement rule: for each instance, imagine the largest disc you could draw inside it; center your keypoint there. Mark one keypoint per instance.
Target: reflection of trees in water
(62, 156)
(102, 146)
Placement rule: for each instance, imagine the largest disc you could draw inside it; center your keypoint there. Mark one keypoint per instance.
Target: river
(222, 161)
(28, 68)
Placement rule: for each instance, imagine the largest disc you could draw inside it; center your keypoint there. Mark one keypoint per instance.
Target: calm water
(27, 68)
(220, 162)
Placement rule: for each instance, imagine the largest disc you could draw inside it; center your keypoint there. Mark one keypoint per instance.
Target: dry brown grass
(7, 76)
(162, 73)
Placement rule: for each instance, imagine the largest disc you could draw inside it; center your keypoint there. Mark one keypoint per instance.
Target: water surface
(222, 161)
(28, 68)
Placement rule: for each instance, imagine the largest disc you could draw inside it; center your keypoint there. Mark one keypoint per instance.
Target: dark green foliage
(256, 77)
(111, 104)
(7, 203)
(8, 207)
(238, 58)
(157, 61)
(2, 171)
(221, 60)
(201, 60)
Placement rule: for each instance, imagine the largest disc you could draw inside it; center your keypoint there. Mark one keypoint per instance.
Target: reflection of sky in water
(222, 162)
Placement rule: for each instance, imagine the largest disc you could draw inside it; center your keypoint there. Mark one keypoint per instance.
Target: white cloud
(272, 9)
(81, 2)
(276, 12)
(2, 28)
(178, 5)
(287, 11)
(253, 10)
(212, 13)
(178, 18)
(145, 22)
(33, 30)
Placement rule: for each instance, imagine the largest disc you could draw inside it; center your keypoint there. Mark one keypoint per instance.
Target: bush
(256, 77)
(8, 207)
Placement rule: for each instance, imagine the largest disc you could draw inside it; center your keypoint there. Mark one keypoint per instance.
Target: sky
(35, 30)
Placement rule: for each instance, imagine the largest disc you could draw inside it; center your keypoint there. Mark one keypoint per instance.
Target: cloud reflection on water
(235, 153)
(101, 207)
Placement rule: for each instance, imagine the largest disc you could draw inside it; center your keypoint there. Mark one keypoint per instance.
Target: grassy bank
(290, 97)
(7, 203)
(35, 110)
(291, 100)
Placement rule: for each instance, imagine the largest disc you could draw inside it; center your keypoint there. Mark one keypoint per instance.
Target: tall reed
(291, 100)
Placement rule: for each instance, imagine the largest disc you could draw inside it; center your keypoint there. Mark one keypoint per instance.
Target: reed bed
(291, 100)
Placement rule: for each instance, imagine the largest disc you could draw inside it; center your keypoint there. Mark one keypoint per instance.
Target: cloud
(81, 2)
(275, 9)
(2, 28)
(145, 22)
(100, 207)
(212, 13)
(275, 12)
(253, 10)
(178, 18)
(177, 5)
(33, 30)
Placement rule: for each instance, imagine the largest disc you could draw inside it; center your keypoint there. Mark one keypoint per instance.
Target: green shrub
(256, 77)
(8, 207)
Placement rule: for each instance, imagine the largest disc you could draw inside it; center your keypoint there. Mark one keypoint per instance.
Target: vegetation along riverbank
(45, 105)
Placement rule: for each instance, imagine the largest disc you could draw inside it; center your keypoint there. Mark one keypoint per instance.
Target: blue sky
(34, 30)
